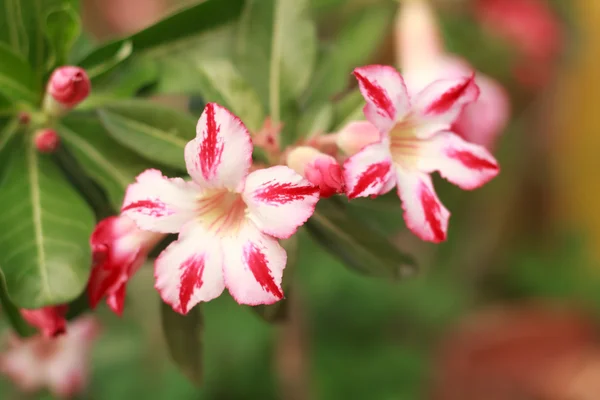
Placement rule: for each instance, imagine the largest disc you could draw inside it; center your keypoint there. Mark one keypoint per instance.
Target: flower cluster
(231, 213)
(439, 115)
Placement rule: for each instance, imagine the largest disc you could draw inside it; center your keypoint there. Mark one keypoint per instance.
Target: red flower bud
(46, 140)
(69, 86)
(49, 320)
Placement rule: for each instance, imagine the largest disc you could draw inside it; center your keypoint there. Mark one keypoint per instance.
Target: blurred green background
(533, 233)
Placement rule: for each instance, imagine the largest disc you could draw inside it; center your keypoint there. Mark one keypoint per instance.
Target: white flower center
(221, 211)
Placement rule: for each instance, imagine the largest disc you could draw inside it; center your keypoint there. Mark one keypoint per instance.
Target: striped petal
(279, 200)
(159, 204)
(369, 171)
(221, 154)
(384, 90)
(190, 270)
(467, 165)
(253, 267)
(439, 105)
(424, 214)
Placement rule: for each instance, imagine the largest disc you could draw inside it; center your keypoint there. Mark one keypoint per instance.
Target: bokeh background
(507, 308)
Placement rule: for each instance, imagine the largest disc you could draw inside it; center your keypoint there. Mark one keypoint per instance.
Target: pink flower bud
(46, 140)
(319, 169)
(49, 320)
(69, 86)
(356, 135)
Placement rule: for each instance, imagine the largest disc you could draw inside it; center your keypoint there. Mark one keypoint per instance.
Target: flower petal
(384, 90)
(119, 248)
(116, 300)
(20, 364)
(49, 320)
(439, 105)
(159, 204)
(279, 200)
(369, 171)
(221, 153)
(190, 270)
(356, 135)
(483, 120)
(253, 267)
(465, 164)
(424, 214)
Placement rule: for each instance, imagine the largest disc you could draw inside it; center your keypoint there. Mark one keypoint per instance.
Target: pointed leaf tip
(184, 337)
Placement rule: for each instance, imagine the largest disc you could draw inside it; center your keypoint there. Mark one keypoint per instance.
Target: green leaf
(361, 247)
(184, 24)
(22, 26)
(13, 314)
(63, 27)
(276, 50)
(353, 47)
(177, 63)
(12, 29)
(108, 163)
(317, 119)
(155, 132)
(109, 61)
(44, 249)
(222, 83)
(183, 334)
(130, 79)
(17, 79)
(276, 313)
(7, 140)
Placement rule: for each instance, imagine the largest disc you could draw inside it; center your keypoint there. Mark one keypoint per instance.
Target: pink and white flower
(50, 321)
(320, 169)
(422, 58)
(60, 364)
(119, 249)
(228, 219)
(415, 140)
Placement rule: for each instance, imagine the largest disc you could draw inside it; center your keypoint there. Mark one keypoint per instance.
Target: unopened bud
(46, 140)
(356, 135)
(67, 87)
(319, 169)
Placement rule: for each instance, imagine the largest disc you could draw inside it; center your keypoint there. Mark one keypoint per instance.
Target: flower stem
(275, 65)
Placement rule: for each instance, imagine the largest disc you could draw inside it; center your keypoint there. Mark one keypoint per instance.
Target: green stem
(275, 65)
